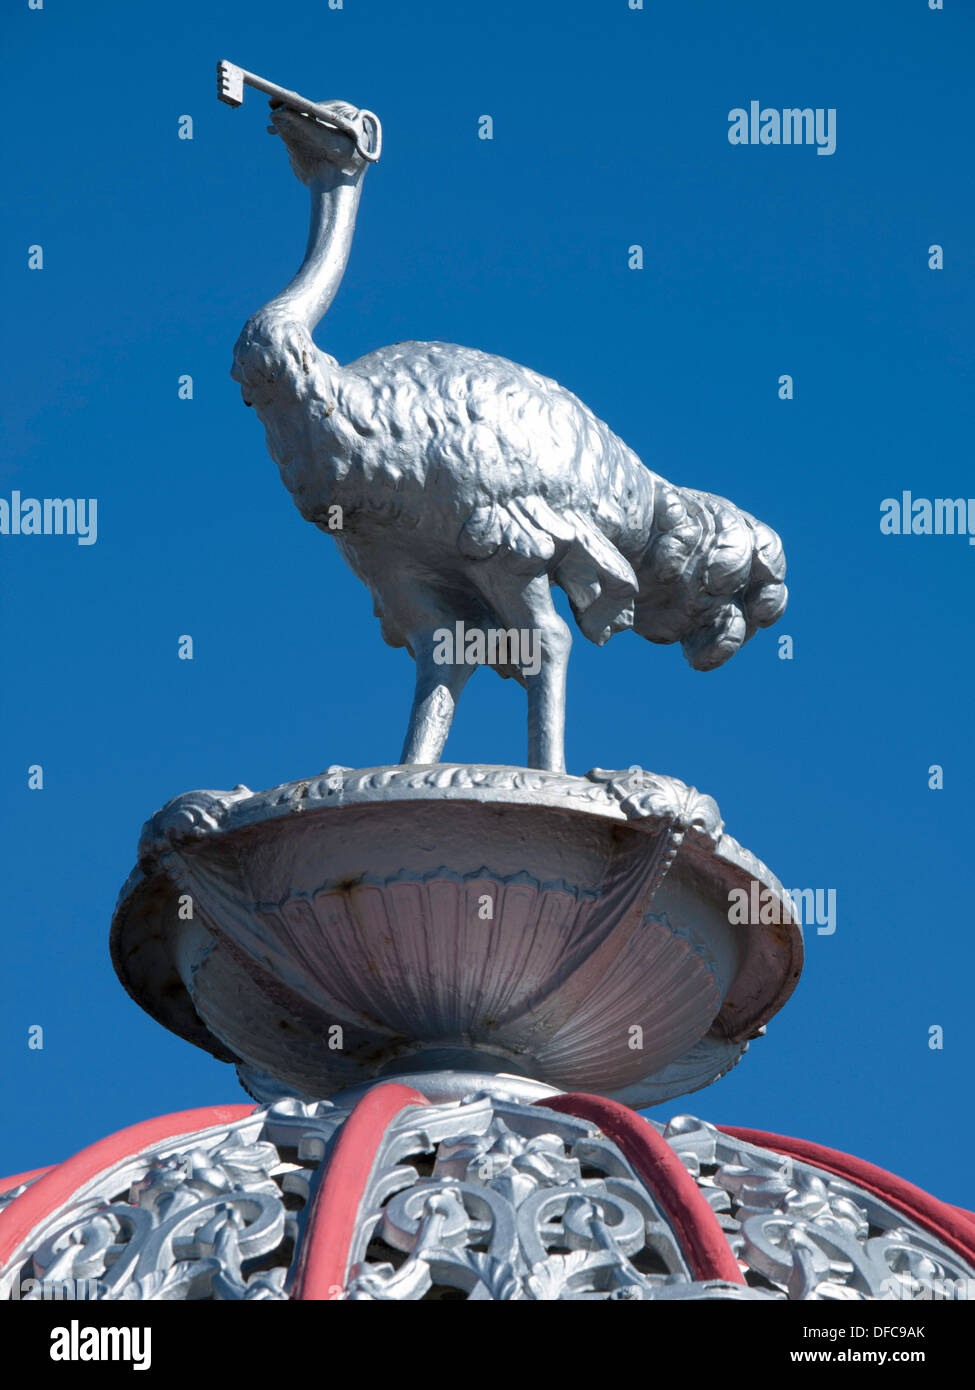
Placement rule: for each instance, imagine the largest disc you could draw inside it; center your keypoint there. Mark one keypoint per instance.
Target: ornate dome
(456, 1186)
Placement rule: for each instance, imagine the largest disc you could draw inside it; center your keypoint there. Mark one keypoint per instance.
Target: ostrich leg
(438, 688)
(527, 605)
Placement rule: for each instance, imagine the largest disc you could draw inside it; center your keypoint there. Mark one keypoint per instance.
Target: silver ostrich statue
(469, 485)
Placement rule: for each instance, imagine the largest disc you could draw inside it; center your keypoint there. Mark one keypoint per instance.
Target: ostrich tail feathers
(711, 576)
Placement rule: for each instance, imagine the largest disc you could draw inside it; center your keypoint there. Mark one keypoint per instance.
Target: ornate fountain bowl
(367, 923)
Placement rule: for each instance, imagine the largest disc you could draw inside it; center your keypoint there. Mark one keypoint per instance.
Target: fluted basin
(572, 929)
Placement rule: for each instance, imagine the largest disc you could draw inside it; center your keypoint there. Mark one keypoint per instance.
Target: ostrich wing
(525, 468)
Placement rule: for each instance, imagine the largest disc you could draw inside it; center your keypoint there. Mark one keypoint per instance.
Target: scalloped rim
(637, 797)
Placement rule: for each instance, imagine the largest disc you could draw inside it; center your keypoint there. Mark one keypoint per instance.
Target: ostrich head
(348, 142)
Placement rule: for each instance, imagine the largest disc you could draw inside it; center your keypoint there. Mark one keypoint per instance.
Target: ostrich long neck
(334, 203)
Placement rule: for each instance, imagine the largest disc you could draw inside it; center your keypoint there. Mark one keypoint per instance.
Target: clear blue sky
(610, 129)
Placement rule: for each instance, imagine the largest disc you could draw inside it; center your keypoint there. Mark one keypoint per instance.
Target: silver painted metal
(13, 1193)
(807, 1235)
(460, 486)
(483, 1196)
(506, 1212)
(363, 129)
(443, 1086)
(177, 1221)
(366, 923)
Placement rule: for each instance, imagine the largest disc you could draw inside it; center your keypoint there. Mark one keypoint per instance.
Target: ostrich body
(468, 485)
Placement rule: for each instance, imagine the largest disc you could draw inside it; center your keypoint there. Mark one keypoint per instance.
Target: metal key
(231, 81)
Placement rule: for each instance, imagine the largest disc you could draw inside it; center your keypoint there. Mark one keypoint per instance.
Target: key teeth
(230, 84)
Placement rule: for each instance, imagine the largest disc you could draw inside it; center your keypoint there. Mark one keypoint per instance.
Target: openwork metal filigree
(802, 1233)
(213, 1215)
(487, 1198)
(513, 1203)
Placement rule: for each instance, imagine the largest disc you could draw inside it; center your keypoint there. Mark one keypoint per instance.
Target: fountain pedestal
(361, 924)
